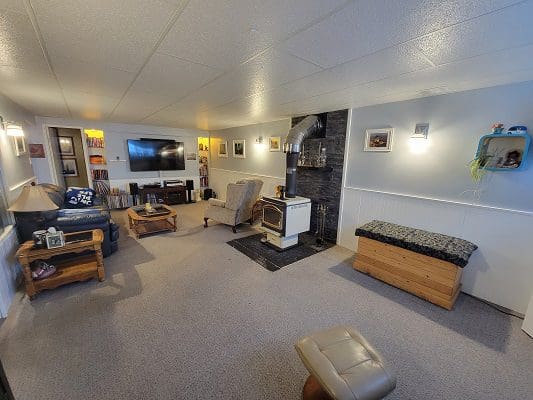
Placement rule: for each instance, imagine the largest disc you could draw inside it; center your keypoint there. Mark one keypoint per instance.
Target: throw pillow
(76, 197)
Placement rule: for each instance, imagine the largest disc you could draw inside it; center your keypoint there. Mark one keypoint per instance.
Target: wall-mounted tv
(156, 155)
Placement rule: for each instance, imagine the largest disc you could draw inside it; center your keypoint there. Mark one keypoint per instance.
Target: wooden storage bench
(426, 264)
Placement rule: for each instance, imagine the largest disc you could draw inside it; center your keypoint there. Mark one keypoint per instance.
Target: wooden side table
(79, 267)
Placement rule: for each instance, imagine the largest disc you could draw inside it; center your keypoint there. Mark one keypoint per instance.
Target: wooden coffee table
(70, 269)
(147, 224)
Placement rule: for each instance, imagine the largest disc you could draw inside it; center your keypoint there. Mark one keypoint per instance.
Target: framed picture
(223, 149)
(274, 143)
(54, 240)
(36, 150)
(20, 145)
(378, 139)
(239, 148)
(66, 145)
(70, 167)
(191, 156)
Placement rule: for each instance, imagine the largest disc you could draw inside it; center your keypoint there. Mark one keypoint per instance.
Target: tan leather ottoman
(345, 366)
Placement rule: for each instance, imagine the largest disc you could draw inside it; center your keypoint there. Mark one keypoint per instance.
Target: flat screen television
(156, 155)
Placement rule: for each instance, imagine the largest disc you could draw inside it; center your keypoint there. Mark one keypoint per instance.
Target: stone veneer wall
(324, 186)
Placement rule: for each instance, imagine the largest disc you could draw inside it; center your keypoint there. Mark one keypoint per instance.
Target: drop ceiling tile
(474, 73)
(137, 105)
(175, 116)
(79, 76)
(389, 62)
(18, 44)
(13, 5)
(89, 106)
(510, 27)
(266, 71)
(36, 91)
(119, 34)
(368, 26)
(225, 33)
(173, 77)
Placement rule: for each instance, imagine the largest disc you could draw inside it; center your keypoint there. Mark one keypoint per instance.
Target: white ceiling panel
(368, 26)
(18, 43)
(212, 64)
(476, 72)
(89, 106)
(225, 33)
(81, 76)
(510, 27)
(13, 5)
(137, 105)
(36, 91)
(173, 77)
(119, 33)
(269, 70)
(389, 62)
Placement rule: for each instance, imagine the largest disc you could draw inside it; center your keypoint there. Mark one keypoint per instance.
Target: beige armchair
(240, 198)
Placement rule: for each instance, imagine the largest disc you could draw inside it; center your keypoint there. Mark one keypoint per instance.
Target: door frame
(48, 144)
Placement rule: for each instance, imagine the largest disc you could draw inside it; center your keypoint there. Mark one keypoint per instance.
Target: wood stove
(284, 219)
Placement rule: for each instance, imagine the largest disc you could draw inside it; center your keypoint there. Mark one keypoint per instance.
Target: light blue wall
(457, 121)
(259, 160)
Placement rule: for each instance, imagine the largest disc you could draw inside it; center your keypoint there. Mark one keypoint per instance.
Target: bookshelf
(203, 163)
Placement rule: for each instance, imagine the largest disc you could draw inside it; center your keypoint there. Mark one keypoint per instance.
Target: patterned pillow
(76, 197)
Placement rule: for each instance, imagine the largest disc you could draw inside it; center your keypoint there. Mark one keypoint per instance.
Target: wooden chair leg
(205, 222)
(313, 391)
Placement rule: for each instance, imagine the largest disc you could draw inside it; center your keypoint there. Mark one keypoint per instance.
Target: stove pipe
(292, 146)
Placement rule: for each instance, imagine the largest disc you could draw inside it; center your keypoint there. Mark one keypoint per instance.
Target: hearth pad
(273, 259)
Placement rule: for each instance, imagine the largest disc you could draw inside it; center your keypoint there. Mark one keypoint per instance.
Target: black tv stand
(168, 195)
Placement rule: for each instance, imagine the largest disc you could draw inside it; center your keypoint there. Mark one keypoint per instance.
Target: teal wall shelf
(504, 152)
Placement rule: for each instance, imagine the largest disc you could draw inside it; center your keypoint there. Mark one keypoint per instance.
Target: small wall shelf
(504, 152)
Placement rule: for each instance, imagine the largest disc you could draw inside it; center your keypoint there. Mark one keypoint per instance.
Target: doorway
(68, 157)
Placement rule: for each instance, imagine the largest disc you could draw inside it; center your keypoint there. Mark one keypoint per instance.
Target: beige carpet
(185, 316)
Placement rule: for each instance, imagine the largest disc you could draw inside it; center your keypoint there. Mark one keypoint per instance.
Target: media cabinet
(168, 195)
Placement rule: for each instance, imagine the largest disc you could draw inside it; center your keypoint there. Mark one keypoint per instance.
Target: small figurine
(497, 128)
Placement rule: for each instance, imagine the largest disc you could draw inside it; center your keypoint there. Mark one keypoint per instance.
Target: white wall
(116, 136)
(259, 163)
(433, 190)
(16, 171)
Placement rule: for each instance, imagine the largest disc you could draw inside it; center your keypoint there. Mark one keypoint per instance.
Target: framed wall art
(274, 143)
(378, 139)
(239, 148)
(223, 149)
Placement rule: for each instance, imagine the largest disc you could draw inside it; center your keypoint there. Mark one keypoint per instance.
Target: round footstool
(343, 366)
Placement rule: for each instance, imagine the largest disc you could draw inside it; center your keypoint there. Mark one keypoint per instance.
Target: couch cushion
(56, 193)
(76, 197)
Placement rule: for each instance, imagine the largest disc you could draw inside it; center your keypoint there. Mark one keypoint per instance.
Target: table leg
(30, 288)
(175, 223)
(100, 263)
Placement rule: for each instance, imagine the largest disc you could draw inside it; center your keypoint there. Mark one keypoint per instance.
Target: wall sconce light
(10, 128)
(419, 142)
(14, 130)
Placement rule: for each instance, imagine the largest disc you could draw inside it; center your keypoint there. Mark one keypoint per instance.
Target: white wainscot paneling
(8, 269)
(219, 179)
(500, 270)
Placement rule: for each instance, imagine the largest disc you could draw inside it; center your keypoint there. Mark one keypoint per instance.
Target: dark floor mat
(273, 259)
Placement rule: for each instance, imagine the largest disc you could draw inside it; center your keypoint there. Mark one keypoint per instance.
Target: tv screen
(156, 155)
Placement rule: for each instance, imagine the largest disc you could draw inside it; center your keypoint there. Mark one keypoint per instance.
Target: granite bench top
(448, 248)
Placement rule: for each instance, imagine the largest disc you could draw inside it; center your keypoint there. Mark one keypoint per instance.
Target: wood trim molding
(22, 183)
(458, 203)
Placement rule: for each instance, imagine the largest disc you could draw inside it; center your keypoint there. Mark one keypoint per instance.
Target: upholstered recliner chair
(240, 199)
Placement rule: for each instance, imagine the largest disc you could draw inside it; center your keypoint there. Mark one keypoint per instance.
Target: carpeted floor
(185, 316)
